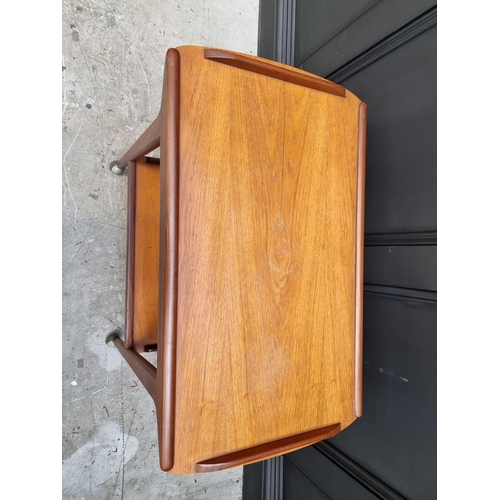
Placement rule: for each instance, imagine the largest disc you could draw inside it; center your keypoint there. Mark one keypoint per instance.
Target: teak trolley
(245, 259)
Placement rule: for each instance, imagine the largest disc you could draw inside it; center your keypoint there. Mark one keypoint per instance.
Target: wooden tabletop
(259, 253)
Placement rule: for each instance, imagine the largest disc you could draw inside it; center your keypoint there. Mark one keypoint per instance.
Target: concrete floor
(112, 68)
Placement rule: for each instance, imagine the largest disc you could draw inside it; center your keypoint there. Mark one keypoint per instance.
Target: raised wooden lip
(262, 67)
(129, 292)
(267, 450)
(360, 229)
(169, 231)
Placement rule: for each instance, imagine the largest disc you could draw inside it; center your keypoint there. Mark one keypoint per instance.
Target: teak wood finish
(143, 251)
(245, 259)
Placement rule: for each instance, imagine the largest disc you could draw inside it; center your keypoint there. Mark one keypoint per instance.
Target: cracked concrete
(112, 69)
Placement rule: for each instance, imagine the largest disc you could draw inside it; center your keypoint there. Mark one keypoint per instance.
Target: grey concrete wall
(112, 69)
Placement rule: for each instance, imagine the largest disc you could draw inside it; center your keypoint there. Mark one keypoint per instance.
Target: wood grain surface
(129, 290)
(246, 259)
(268, 179)
(146, 256)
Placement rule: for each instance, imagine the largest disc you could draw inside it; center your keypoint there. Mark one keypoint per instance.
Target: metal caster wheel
(113, 335)
(113, 166)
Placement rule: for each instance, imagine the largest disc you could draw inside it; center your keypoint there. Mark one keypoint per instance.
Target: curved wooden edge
(144, 370)
(129, 292)
(262, 67)
(360, 230)
(169, 230)
(267, 450)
